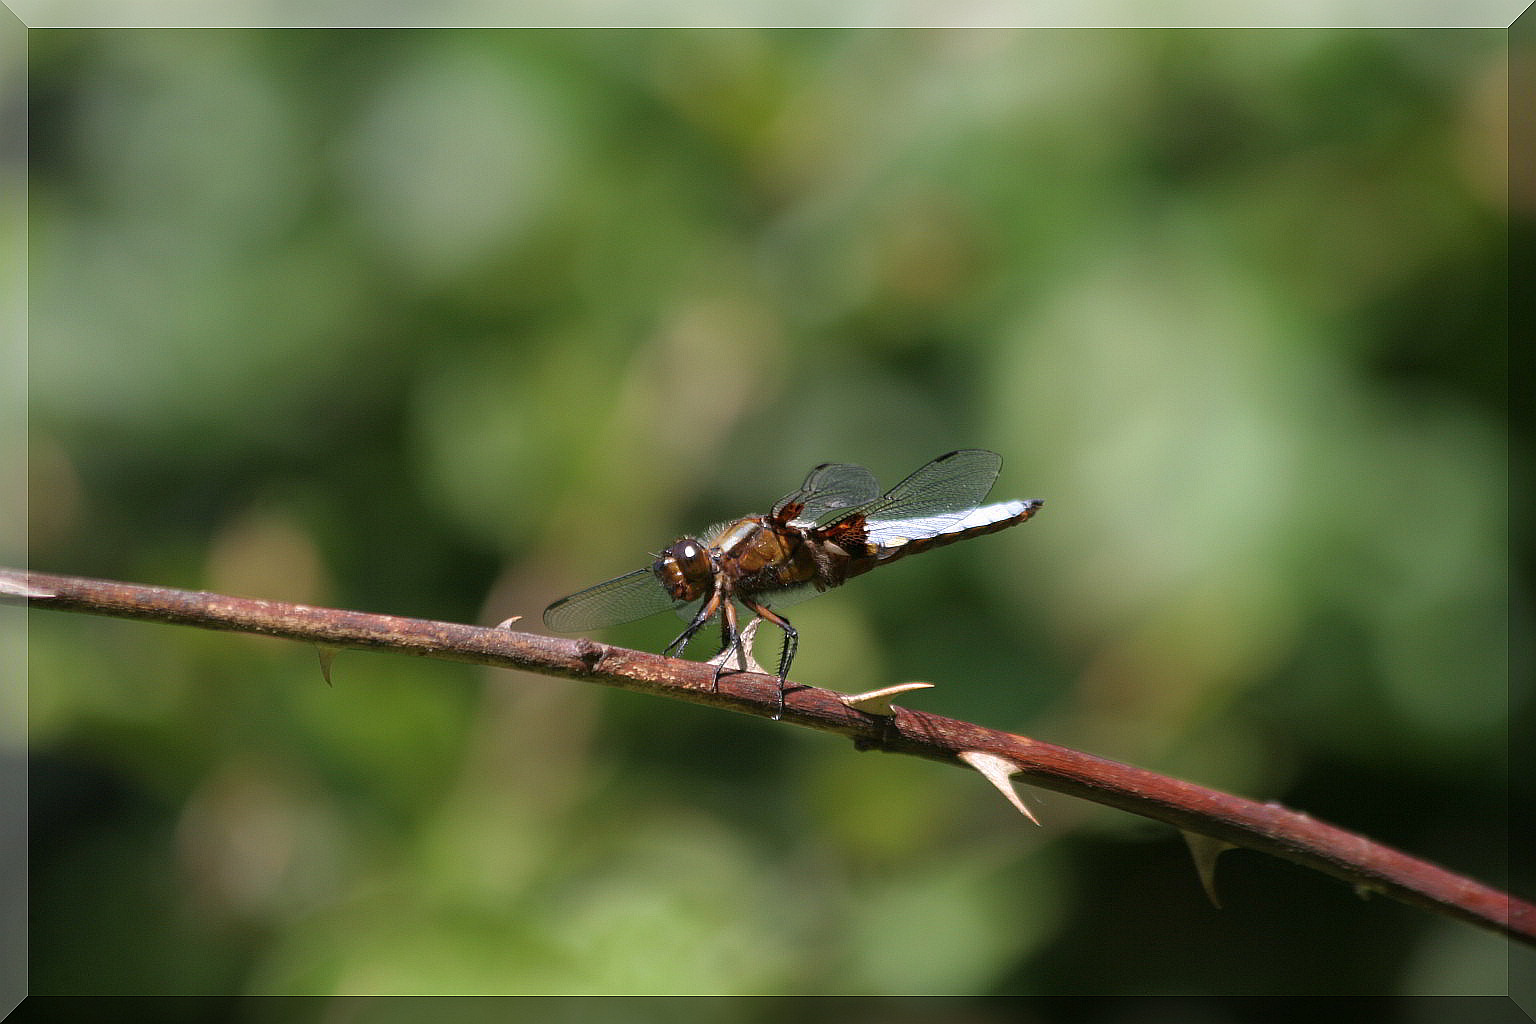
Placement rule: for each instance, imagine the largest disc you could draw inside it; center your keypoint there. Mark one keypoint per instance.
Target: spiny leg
(791, 644)
(706, 612)
(730, 639)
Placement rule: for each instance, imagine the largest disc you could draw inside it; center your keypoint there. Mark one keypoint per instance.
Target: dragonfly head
(686, 569)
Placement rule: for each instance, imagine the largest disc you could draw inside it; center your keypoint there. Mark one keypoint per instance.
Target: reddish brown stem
(1268, 827)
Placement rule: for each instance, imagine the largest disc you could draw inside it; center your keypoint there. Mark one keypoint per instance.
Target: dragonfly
(835, 526)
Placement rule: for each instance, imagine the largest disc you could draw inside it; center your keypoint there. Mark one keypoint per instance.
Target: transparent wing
(933, 499)
(621, 599)
(786, 597)
(828, 488)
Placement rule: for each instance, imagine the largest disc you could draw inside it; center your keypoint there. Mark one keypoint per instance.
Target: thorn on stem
(999, 771)
(1205, 850)
(327, 655)
(878, 702)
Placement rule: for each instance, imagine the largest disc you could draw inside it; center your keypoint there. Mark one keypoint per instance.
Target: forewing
(626, 598)
(830, 487)
(933, 499)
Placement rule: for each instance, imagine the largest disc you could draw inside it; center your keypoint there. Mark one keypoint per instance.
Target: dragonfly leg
(730, 639)
(706, 612)
(791, 644)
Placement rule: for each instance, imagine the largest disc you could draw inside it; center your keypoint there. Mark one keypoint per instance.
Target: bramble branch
(1218, 817)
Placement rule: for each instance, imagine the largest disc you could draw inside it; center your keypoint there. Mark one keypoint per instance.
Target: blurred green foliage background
(450, 323)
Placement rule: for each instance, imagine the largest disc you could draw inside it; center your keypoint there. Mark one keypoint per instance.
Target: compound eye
(691, 557)
(685, 569)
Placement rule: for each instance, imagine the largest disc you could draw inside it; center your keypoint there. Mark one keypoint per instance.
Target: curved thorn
(327, 655)
(741, 653)
(878, 702)
(999, 771)
(1205, 850)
